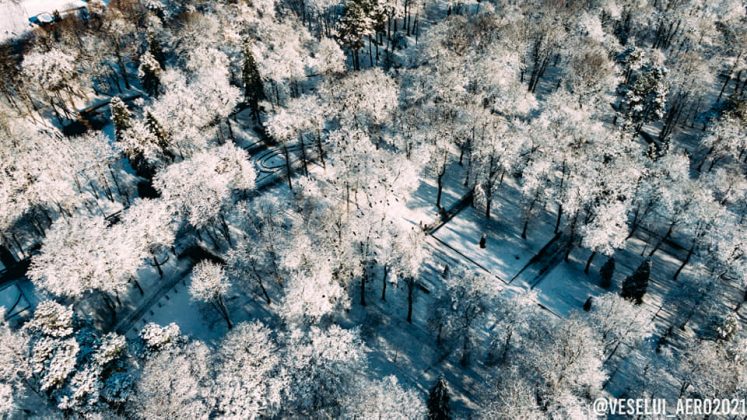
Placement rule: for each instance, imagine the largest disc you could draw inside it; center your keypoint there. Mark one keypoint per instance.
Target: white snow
(14, 14)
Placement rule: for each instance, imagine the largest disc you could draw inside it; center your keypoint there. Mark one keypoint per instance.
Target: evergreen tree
(253, 89)
(154, 47)
(155, 127)
(645, 100)
(121, 116)
(588, 304)
(438, 401)
(355, 24)
(727, 327)
(635, 285)
(149, 73)
(606, 272)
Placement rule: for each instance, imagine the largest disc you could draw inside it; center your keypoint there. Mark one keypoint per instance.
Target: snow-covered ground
(15, 14)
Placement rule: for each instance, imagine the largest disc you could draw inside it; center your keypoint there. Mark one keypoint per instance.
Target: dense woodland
(128, 136)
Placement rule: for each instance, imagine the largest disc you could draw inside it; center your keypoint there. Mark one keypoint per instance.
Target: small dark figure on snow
(445, 273)
(483, 240)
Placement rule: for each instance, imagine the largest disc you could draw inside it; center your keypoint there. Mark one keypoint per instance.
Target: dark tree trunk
(157, 265)
(686, 261)
(288, 166)
(465, 349)
(383, 283)
(728, 79)
(224, 228)
(440, 187)
(304, 160)
(572, 238)
(363, 286)
(224, 312)
(319, 149)
(139, 287)
(557, 220)
(410, 297)
(662, 240)
(588, 262)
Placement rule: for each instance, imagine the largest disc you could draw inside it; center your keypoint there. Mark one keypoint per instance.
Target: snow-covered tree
(323, 366)
(149, 72)
(511, 396)
(54, 353)
(121, 116)
(102, 378)
(82, 254)
(192, 106)
(328, 57)
(153, 227)
(384, 398)
(257, 256)
(712, 369)
(362, 100)
(156, 338)
(406, 261)
(14, 368)
(210, 285)
(200, 188)
(607, 231)
(619, 322)
(645, 89)
(82, 371)
(469, 297)
(175, 383)
(724, 139)
(567, 364)
(590, 74)
(248, 380)
(54, 74)
(95, 162)
(356, 24)
(311, 292)
(514, 316)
